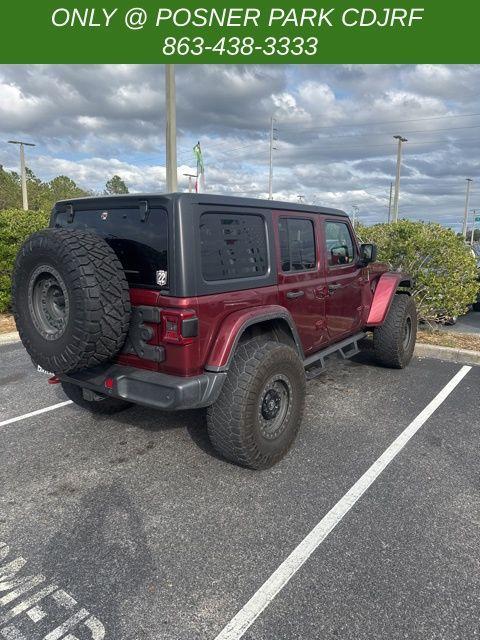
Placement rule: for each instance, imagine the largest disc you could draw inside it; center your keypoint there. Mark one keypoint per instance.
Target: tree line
(42, 195)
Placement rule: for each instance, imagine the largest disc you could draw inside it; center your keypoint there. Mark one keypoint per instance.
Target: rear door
(301, 279)
(344, 279)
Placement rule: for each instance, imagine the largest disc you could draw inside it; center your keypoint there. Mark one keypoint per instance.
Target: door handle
(295, 294)
(334, 287)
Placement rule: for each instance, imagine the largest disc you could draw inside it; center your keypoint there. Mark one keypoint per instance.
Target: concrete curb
(9, 338)
(461, 356)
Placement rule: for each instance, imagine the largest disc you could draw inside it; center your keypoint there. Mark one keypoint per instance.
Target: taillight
(179, 327)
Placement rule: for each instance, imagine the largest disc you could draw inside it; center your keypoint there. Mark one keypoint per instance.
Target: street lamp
(474, 221)
(171, 128)
(355, 211)
(190, 177)
(465, 215)
(401, 140)
(23, 172)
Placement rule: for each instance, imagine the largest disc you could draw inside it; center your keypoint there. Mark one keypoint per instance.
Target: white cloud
(335, 127)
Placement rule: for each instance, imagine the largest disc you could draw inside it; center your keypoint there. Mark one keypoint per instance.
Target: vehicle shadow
(154, 420)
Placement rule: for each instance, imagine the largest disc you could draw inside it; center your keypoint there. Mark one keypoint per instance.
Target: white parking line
(242, 621)
(35, 413)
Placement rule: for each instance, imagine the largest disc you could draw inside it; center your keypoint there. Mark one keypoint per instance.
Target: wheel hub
(274, 406)
(271, 404)
(48, 302)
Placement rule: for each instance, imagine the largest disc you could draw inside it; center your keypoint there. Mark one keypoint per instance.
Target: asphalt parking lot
(130, 528)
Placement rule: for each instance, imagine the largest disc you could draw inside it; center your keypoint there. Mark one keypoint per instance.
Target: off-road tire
(389, 340)
(106, 406)
(235, 421)
(93, 297)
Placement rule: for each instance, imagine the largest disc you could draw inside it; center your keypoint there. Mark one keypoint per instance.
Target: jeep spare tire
(70, 300)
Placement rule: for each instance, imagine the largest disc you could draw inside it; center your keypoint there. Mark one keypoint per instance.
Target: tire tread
(228, 428)
(101, 321)
(388, 338)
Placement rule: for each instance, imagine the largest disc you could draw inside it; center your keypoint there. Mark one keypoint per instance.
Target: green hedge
(15, 226)
(442, 265)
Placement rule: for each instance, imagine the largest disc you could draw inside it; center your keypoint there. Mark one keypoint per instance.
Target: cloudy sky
(335, 127)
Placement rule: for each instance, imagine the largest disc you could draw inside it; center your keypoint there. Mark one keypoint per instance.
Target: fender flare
(387, 287)
(233, 327)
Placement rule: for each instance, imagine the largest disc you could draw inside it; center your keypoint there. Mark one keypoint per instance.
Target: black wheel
(93, 402)
(255, 420)
(394, 341)
(70, 300)
(476, 306)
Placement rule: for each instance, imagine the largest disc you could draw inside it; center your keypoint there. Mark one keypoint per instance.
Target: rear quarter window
(233, 246)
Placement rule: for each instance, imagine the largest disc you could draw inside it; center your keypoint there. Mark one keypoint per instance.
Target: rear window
(141, 246)
(233, 246)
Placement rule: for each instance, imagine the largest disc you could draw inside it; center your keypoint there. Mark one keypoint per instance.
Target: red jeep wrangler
(184, 301)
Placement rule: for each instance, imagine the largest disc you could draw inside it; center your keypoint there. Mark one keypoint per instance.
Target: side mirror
(368, 253)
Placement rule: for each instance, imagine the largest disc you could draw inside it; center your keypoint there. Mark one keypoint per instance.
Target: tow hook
(54, 380)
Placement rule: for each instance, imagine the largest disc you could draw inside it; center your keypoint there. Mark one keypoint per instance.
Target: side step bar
(315, 365)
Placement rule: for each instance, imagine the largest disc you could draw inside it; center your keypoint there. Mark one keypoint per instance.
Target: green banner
(244, 31)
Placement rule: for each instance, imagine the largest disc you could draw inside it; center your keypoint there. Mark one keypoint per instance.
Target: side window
(297, 244)
(340, 247)
(233, 246)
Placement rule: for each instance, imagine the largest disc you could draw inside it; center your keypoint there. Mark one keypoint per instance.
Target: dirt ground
(445, 339)
(6, 323)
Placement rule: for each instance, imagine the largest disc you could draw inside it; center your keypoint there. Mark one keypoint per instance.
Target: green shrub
(443, 267)
(15, 226)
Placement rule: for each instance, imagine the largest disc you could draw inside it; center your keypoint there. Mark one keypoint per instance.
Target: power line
(382, 133)
(209, 146)
(384, 145)
(367, 124)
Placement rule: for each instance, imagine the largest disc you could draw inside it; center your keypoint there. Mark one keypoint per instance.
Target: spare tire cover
(70, 300)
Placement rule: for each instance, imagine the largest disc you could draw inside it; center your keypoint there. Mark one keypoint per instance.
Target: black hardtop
(143, 231)
(168, 199)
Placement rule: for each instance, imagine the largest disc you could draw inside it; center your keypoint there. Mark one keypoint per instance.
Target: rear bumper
(150, 388)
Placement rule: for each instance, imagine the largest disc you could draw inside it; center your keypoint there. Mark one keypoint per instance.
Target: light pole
(23, 171)
(273, 138)
(390, 203)
(396, 198)
(465, 215)
(355, 210)
(171, 128)
(190, 177)
(472, 237)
